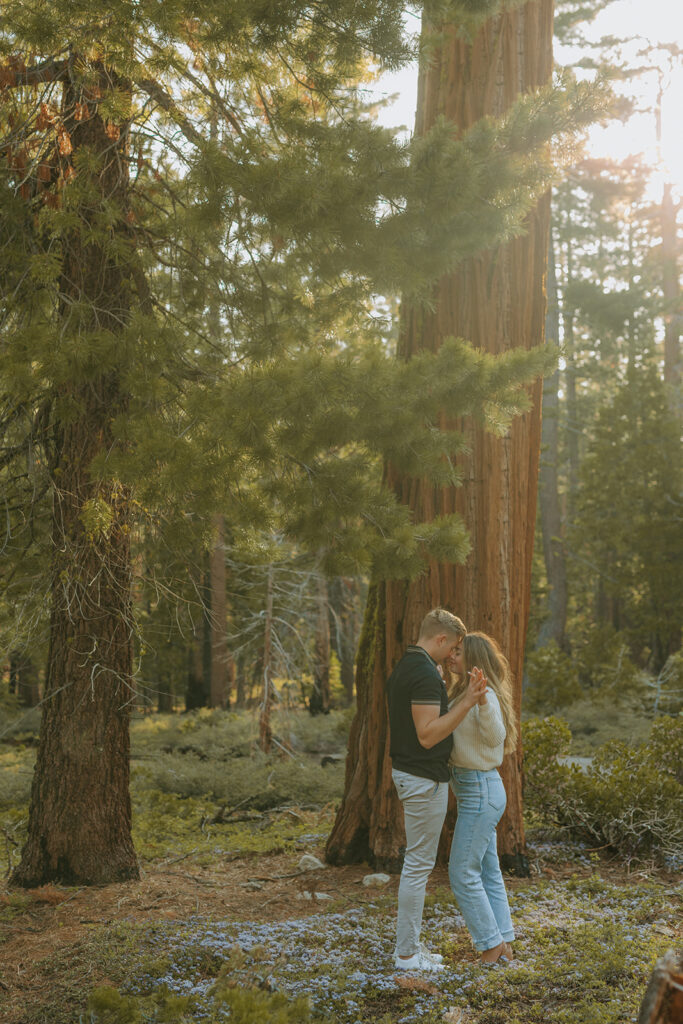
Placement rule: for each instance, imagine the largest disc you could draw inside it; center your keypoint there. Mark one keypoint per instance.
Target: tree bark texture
(553, 628)
(663, 999)
(496, 301)
(79, 829)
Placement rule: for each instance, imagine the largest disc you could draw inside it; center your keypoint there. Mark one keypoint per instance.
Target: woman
(487, 732)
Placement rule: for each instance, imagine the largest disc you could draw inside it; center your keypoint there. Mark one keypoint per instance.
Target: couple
(433, 744)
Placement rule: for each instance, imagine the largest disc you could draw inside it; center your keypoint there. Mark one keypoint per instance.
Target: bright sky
(654, 21)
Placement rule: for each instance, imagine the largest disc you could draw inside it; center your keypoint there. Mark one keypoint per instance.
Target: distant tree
(552, 527)
(628, 523)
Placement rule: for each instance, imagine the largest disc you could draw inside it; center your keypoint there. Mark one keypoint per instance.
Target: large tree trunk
(79, 829)
(496, 301)
(553, 627)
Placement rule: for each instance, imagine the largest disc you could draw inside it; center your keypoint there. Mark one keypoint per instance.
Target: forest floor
(588, 936)
(224, 926)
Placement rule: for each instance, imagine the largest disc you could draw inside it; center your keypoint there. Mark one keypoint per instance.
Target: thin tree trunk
(319, 701)
(219, 691)
(164, 691)
(672, 297)
(194, 690)
(497, 301)
(205, 590)
(14, 660)
(23, 679)
(79, 829)
(240, 674)
(572, 424)
(553, 627)
(265, 730)
(345, 628)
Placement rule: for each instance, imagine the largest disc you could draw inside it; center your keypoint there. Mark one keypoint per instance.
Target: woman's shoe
(495, 955)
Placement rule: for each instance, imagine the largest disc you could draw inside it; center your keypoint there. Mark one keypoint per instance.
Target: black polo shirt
(416, 680)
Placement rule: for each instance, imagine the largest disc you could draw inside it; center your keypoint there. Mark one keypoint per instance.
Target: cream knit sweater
(479, 739)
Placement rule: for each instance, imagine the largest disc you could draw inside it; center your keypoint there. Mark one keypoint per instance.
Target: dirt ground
(46, 938)
(56, 920)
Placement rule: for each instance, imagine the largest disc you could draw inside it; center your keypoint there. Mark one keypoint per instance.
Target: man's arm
(431, 727)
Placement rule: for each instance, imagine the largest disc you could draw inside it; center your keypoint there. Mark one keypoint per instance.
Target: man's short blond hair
(440, 621)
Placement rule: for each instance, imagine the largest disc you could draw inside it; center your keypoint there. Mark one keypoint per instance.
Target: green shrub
(16, 774)
(553, 680)
(594, 722)
(245, 1003)
(603, 661)
(666, 690)
(545, 740)
(629, 798)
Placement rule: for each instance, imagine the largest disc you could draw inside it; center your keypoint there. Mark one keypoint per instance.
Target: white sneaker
(420, 962)
(436, 958)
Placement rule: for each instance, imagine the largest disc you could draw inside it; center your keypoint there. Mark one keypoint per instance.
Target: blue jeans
(473, 868)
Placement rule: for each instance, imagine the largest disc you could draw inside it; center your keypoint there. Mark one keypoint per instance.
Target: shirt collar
(416, 647)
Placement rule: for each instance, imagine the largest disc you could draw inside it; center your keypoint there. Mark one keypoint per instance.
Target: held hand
(476, 690)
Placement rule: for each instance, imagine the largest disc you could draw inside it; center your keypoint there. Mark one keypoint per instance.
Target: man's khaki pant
(424, 809)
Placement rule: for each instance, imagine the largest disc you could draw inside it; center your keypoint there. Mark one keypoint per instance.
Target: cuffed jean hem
(491, 943)
(474, 869)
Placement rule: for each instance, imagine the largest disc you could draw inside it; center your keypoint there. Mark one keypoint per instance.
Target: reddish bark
(496, 301)
(79, 828)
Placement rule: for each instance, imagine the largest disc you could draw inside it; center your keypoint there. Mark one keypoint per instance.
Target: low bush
(260, 781)
(629, 798)
(594, 723)
(242, 1006)
(553, 680)
(16, 775)
(223, 735)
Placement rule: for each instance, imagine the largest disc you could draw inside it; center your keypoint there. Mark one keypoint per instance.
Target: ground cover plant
(223, 926)
(585, 947)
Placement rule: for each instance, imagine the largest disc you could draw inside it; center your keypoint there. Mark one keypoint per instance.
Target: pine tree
(628, 517)
(170, 172)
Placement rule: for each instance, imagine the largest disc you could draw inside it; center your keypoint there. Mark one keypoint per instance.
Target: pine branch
(156, 92)
(15, 73)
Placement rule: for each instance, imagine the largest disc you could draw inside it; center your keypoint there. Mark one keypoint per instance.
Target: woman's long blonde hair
(482, 651)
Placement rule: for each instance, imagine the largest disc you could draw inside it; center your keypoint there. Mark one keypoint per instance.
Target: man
(421, 741)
